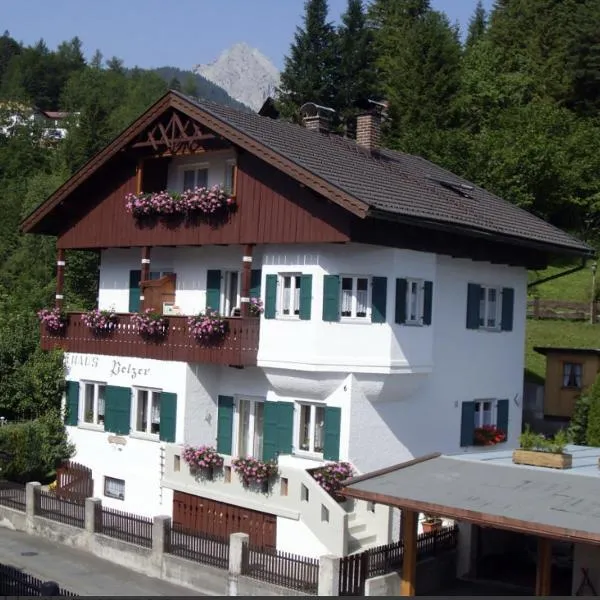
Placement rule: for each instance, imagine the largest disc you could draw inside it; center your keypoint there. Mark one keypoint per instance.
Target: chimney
(316, 117)
(368, 126)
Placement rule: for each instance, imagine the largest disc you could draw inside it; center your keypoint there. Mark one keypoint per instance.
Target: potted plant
(256, 307)
(332, 476)
(101, 322)
(54, 320)
(208, 327)
(488, 435)
(254, 471)
(538, 451)
(431, 523)
(203, 459)
(150, 324)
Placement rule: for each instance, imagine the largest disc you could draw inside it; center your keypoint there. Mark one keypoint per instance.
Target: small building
(568, 372)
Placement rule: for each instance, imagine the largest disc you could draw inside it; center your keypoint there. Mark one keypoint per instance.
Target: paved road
(78, 571)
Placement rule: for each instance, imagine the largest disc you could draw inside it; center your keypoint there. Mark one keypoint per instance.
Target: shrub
(536, 442)
(593, 415)
(578, 427)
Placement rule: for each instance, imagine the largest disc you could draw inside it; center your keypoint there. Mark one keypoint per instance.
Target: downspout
(558, 275)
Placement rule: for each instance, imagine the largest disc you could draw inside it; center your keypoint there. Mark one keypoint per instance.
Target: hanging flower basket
(202, 459)
(488, 435)
(101, 322)
(256, 307)
(150, 324)
(254, 471)
(54, 320)
(331, 476)
(208, 327)
(200, 201)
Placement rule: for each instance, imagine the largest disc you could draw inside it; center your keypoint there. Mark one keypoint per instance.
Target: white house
(394, 297)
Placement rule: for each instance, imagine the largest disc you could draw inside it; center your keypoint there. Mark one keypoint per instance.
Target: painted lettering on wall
(79, 360)
(120, 368)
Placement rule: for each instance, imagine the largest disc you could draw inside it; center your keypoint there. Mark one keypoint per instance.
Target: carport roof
(494, 493)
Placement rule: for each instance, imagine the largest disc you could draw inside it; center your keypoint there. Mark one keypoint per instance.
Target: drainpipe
(558, 275)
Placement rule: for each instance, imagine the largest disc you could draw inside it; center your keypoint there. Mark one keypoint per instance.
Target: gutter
(558, 275)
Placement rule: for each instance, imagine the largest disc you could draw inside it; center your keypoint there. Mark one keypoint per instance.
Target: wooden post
(409, 524)
(246, 280)
(543, 579)
(145, 270)
(60, 277)
(139, 172)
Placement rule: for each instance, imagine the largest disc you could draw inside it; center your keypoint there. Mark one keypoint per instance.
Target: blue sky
(180, 33)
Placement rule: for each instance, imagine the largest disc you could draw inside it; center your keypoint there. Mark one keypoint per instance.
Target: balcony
(239, 347)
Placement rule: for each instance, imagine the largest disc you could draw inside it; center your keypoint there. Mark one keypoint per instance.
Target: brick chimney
(368, 130)
(316, 117)
(318, 123)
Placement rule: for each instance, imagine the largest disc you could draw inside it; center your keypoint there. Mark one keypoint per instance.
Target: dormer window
(195, 176)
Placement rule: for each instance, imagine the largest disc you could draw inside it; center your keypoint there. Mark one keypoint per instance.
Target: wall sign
(113, 366)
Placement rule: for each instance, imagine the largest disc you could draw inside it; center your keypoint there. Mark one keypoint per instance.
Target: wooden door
(158, 292)
(221, 520)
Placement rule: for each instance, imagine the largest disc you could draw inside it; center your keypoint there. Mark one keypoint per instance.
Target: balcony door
(159, 290)
(232, 294)
(250, 427)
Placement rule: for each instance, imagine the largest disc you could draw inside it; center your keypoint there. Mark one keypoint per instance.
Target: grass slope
(576, 287)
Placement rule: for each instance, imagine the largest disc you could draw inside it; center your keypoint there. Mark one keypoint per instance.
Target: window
(250, 418)
(146, 411)
(114, 488)
(229, 184)
(354, 297)
(311, 428)
(153, 275)
(572, 375)
(232, 294)
(92, 398)
(484, 413)
(414, 301)
(289, 297)
(489, 307)
(194, 177)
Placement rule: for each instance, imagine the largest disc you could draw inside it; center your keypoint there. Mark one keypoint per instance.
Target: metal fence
(69, 512)
(125, 526)
(13, 582)
(12, 495)
(200, 548)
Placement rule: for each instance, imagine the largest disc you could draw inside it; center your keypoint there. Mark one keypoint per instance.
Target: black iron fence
(63, 510)
(125, 526)
(13, 582)
(12, 495)
(205, 549)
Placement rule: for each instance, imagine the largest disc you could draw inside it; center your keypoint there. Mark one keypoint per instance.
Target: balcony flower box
(331, 477)
(202, 460)
(101, 322)
(150, 324)
(488, 435)
(253, 471)
(256, 307)
(538, 451)
(54, 320)
(431, 523)
(208, 327)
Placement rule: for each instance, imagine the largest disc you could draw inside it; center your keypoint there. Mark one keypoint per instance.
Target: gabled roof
(383, 184)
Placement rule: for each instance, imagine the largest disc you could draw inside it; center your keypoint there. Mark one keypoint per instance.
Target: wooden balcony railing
(239, 347)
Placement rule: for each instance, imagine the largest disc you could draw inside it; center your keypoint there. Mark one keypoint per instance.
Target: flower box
(536, 458)
(54, 320)
(150, 324)
(488, 435)
(208, 327)
(101, 322)
(331, 477)
(255, 471)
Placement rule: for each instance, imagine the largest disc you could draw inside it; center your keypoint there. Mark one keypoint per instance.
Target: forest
(511, 104)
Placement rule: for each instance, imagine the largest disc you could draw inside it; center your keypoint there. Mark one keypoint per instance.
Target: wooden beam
(408, 528)
(139, 172)
(246, 279)
(60, 278)
(543, 578)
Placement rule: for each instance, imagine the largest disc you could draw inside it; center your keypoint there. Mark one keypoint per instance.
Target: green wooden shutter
(168, 416)
(331, 298)
(400, 311)
(502, 416)
(117, 410)
(72, 404)
(270, 431)
(473, 303)
(379, 300)
(333, 419)
(255, 281)
(134, 291)
(508, 303)
(213, 289)
(467, 424)
(285, 427)
(427, 302)
(305, 297)
(225, 425)
(270, 296)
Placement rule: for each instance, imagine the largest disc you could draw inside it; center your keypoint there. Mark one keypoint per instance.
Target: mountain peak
(244, 73)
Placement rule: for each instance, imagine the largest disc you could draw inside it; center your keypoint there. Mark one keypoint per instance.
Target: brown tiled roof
(395, 184)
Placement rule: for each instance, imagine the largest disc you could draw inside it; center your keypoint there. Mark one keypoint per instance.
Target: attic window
(461, 189)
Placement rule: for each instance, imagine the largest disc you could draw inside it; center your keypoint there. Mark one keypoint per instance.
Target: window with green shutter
(331, 298)
(72, 403)
(168, 416)
(255, 283)
(270, 296)
(134, 291)
(427, 302)
(305, 297)
(117, 410)
(378, 299)
(332, 426)
(278, 429)
(213, 289)
(225, 425)
(401, 297)
(467, 424)
(473, 305)
(508, 303)
(502, 416)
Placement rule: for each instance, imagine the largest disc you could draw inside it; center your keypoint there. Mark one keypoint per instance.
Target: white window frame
(479, 414)
(230, 165)
(420, 283)
(201, 166)
(96, 424)
(498, 315)
(253, 400)
(311, 436)
(353, 317)
(135, 432)
(280, 296)
(227, 310)
(565, 378)
(118, 482)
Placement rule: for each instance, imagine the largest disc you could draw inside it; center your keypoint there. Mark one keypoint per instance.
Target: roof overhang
(545, 350)
(451, 488)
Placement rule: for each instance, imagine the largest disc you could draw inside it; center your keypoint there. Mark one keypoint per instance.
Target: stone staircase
(359, 536)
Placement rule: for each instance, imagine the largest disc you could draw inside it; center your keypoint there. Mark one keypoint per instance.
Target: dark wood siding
(210, 517)
(272, 208)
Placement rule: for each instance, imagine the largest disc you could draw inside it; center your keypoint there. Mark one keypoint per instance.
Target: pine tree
(189, 86)
(309, 72)
(477, 25)
(175, 84)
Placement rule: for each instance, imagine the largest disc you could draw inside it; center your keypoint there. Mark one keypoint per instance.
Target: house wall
(558, 400)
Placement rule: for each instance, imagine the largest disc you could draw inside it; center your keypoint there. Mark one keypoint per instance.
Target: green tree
(189, 86)
(593, 415)
(577, 431)
(477, 25)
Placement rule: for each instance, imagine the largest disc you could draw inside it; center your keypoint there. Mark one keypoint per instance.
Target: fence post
(161, 538)
(329, 575)
(93, 515)
(33, 491)
(239, 554)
